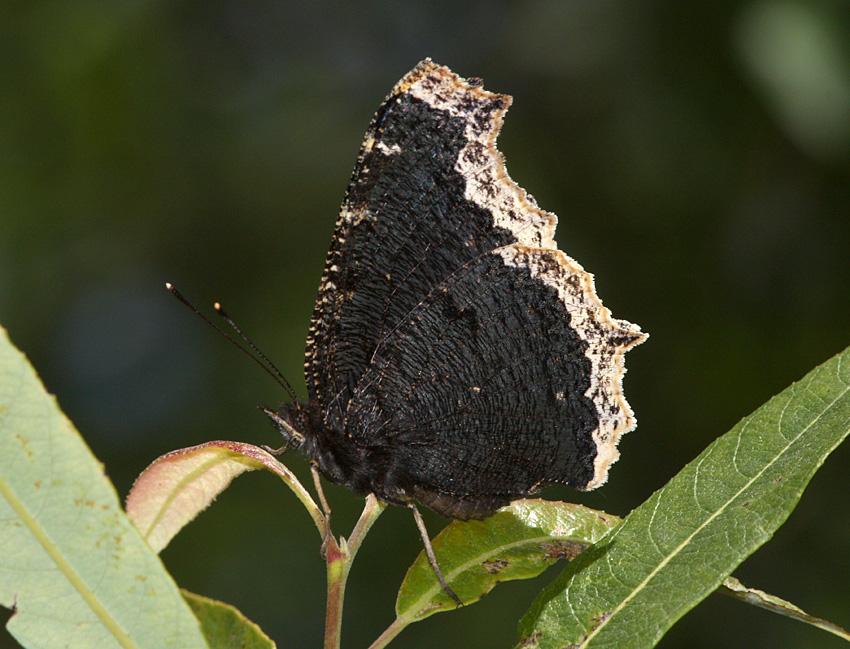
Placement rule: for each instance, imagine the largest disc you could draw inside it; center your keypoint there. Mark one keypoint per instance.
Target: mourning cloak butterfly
(456, 357)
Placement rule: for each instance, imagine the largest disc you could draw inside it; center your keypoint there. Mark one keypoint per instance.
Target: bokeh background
(698, 155)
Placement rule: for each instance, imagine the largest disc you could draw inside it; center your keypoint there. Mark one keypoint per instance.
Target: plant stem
(338, 563)
(390, 632)
(339, 555)
(372, 509)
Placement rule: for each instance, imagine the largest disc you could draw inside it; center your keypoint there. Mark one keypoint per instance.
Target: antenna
(260, 359)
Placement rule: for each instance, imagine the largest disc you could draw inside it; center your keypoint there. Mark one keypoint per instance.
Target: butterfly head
(290, 420)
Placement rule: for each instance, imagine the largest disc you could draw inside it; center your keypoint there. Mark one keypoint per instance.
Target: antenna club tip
(168, 285)
(217, 306)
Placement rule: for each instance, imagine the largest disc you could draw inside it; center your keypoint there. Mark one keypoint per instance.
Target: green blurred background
(698, 155)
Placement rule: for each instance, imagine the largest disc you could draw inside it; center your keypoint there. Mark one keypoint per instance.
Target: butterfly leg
(326, 508)
(426, 540)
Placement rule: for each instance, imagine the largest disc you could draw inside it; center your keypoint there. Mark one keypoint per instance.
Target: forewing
(429, 194)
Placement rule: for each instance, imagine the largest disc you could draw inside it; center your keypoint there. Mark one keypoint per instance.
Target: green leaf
(74, 568)
(774, 604)
(677, 547)
(518, 542)
(224, 625)
(177, 486)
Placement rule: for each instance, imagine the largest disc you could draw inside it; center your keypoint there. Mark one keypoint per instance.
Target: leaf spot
(599, 619)
(555, 550)
(530, 640)
(495, 566)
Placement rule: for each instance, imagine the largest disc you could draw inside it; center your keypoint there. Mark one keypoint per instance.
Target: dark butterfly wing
(505, 377)
(464, 357)
(413, 214)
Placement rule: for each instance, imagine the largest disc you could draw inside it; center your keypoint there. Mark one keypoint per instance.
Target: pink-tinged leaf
(181, 484)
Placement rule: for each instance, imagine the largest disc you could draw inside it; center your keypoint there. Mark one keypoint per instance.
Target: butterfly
(456, 357)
